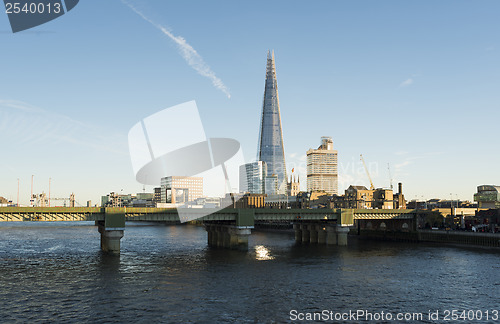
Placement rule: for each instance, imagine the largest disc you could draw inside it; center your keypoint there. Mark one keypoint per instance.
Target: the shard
(271, 149)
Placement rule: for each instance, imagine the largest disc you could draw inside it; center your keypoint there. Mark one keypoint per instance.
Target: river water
(55, 272)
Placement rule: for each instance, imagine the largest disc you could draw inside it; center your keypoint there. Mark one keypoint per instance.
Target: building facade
(293, 187)
(271, 185)
(322, 168)
(488, 196)
(4, 202)
(252, 177)
(180, 190)
(271, 148)
(383, 199)
(251, 201)
(157, 195)
(358, 197)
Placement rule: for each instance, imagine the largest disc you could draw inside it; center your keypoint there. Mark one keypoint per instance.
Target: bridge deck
(345, 216)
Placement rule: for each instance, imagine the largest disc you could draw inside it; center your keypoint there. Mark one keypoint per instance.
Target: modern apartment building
(180, 190)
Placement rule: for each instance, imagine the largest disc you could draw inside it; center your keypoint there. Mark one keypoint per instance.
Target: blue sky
(409, 83)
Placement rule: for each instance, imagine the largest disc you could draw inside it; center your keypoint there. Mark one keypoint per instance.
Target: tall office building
(271, 185)
(271, 149)
(322, 168)
(252, 177)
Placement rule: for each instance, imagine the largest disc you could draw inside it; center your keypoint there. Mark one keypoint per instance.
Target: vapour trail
(189, 54)
(25, 124)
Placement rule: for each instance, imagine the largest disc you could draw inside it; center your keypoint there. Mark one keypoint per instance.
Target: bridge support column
(238, 237)
(111, 229)
(331, 235)
(211, 235)
(313, 233)
(342, 235)
(220, 236)
(298, 233)
(228, 236)
(110, 240)
(305, 233)
(321, 234)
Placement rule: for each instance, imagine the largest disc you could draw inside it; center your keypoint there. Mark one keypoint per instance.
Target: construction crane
(367, 173)
(390, 176)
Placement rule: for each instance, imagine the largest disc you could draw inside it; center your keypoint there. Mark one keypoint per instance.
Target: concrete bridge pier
(342, 235)
(226, 239)
(228, 236)
(321, 234)
(210, 237)
(331, 235)
(313, 233)
(306, 234)
(111, 229)
(298, 233)
(216, 236)
(336, 235)
(110, 240)
(238, 237)
(220, 235)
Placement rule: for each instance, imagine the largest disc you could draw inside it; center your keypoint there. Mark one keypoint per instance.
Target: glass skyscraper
(271, 149)
(252, 177)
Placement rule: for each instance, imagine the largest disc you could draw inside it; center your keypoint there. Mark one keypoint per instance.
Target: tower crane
(367, 173)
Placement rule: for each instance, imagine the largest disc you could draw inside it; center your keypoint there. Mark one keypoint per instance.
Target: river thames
(55, 272)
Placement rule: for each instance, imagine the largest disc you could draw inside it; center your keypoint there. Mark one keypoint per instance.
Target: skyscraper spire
(271, 148)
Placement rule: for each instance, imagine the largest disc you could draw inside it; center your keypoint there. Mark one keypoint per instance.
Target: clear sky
(411, 83)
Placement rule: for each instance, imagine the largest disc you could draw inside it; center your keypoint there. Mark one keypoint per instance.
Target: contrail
(26, 124)
(187, 52)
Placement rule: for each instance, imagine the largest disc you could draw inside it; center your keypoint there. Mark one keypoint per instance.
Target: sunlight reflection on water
(262, 253)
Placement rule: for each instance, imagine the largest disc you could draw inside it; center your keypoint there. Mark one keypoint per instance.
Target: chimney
(400, 188)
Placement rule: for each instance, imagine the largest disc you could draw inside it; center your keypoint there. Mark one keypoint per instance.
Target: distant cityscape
(265, 183)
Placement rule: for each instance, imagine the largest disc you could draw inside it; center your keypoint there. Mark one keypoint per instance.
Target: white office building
(322, 168)
(180, 190)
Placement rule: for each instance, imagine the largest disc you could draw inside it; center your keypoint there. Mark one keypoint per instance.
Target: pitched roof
(358, 187)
